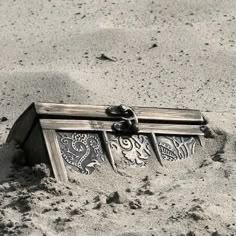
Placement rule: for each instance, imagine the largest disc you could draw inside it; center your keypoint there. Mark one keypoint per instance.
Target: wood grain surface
(143, 113)
(97, 125)
(55, 155)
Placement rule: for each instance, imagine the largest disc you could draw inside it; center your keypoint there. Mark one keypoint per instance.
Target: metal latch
(129, 120)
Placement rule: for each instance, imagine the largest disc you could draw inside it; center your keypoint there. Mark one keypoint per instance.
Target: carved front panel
(176, 147)
(83, 151)
(130, 150)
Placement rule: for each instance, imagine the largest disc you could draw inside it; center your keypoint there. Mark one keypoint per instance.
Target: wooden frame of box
(81, 135)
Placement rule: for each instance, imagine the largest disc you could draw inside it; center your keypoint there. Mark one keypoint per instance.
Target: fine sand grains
(138, 52)
(195, 196)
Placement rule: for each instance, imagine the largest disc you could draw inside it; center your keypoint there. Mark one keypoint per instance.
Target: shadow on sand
(19, 90)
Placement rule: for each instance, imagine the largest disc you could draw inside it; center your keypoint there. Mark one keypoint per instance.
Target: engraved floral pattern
(176, 147)
(81, 150)
(135, 149)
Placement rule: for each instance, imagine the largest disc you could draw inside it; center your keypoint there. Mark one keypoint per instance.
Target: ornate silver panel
(83, 151)
(131, 150)
(175, 147)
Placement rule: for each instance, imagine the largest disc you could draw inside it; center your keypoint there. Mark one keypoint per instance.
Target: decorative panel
(176, 147)
(81, 150)
(133, 150)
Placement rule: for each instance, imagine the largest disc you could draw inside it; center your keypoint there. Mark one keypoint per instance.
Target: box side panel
(35, 147)
(23, 125)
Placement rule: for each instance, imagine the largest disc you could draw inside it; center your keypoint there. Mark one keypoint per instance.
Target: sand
(165, 54)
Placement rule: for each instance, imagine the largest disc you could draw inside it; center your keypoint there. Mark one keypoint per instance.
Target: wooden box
(85, 136)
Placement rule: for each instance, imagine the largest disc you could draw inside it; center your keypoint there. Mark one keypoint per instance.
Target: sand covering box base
(167, 54)
(189, 197)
